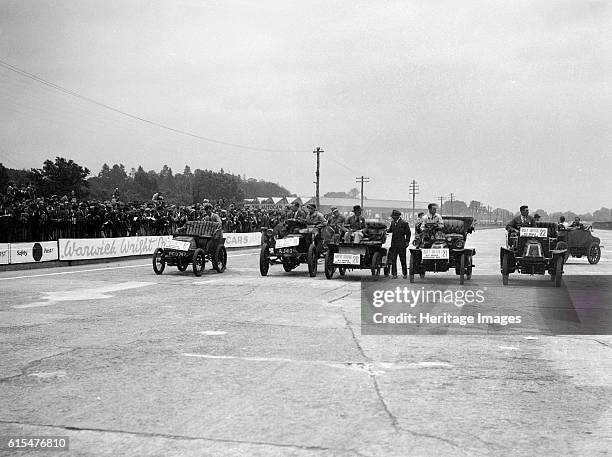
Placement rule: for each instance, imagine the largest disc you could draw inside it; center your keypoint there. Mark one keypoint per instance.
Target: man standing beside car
(400, 239)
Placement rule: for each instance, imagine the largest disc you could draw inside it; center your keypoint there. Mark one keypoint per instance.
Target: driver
(522, 220)
(314, 217)
(356, 224)
(336, 221)
(430, 225)
(577, 223)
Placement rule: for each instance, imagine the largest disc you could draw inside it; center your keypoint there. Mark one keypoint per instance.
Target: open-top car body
(290, 244)
(442, 249)
(579, 242)
(533, 251)
(367, 254)
(193, 244)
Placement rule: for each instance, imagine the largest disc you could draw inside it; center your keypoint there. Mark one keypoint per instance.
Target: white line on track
(97, 269)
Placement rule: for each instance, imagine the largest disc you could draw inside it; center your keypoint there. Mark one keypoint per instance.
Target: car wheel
(594, 253)
(220, 259)
(376, 259)
(159, 262)
(505, 268)
(264, 260)
(462, 268)
(558, 270)
(312, 260)
(329, 265)
(468, 267)
(198, 262)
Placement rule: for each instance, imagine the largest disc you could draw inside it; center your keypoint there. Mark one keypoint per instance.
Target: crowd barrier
(101, 248)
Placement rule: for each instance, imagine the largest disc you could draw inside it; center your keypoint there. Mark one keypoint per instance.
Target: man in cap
(314, 217)
(336, 221)
(400, 239)
(356, 224)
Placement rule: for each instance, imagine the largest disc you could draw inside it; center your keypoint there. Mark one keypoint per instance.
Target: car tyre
(558, 270)
(462, 268)
(264, 260)
(376, 259)
(199, 261)
(220, 259)
(593, 253)
(505, 268)
(159, 262)
(312, 260)
(329, 265)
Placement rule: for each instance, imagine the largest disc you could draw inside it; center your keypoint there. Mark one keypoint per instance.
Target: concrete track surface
(128, 363)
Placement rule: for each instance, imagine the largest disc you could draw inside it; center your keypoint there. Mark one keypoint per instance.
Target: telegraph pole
(441, 202)
(452, 196)
(414, 189)
(318, 151)
(362, 180)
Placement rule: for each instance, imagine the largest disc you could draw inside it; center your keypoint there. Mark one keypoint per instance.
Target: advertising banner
(102, 248)
(43, 251)
(236, 240)
(5, 252)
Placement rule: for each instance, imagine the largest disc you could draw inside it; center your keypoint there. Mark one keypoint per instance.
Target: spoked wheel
(264, 260)
(159, 262)
(594, 253)
(505, 268)
(220, 259)
(312, 260)
(341, 271)
(462, 268)
(182, 265)
(329, 265)
(198, 262)
(376, 259)
(558, 270)
(412, 267)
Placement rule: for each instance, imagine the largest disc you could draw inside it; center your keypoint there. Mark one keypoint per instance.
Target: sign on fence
(5, 253)
(101, 248)
(44, 251)
(236, 240)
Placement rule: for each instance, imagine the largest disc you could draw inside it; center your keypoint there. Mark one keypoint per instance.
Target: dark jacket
(517, 222)
(400, 234)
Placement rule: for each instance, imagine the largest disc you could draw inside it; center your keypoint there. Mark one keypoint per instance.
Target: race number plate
(540, 232)
(287, 242)
(347, 259)
(178, 245)
(435, 253)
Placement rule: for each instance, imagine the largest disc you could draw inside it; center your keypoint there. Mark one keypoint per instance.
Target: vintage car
(291, 243)
(193, 244)
(533, 251)
(579, 241)
(440, 250)
(367, 254)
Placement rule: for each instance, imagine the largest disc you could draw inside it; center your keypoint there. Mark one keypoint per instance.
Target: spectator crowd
(26, 217)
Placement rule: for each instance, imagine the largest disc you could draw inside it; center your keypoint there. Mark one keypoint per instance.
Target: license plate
(178, 245)
(287, 242)
(539, 232)
(347, 259)
(285, 251)
(435, 254)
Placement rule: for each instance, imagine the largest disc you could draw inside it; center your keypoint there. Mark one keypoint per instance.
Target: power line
(26, 74)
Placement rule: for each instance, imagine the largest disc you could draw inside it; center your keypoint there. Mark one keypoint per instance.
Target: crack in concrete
(372, 374)
(188, 437)
(35, 363)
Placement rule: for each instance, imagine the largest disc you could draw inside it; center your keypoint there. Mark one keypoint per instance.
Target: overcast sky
(505, 102)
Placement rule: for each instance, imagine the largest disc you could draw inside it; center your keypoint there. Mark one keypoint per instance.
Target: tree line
(62, 176)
